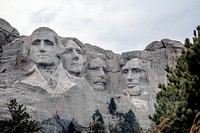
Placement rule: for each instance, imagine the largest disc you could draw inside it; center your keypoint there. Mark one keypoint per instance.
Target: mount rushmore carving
(51, 75)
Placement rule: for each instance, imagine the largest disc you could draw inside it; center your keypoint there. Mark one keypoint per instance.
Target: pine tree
(112, 106)
(178, 102)
(129, 123)
(113, 128)
(97, 126)
(71, 128)
(19, 122)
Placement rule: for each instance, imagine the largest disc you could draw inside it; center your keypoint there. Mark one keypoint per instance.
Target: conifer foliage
(72, 129)
(97, 126)
(19, 122)
(129, 124)
(112, 106)
(179, 101)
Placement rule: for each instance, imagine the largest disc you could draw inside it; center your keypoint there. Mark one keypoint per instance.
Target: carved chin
(43, 60)
(98, 86)
(134, 91)
(45, 63)
(76, 69)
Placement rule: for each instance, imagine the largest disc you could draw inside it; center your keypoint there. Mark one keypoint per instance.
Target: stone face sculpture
(133, 75)
(96, 70)
(47, 87)
(44, 50)
(72, 57)
(135, 78)
(31, 71)
(73, 61)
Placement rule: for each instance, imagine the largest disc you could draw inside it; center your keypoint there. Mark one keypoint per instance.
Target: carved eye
(68, 51)
(93, 68)
(36, 42)
(105, 70)
(125, 71)
(136, 70)
(78, 51)
(47, 42)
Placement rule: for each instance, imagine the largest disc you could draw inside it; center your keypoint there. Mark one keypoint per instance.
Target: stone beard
(72, 58)
(132, 76)
(96, 73)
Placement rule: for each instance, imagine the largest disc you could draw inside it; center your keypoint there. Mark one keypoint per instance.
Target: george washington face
(44, 48)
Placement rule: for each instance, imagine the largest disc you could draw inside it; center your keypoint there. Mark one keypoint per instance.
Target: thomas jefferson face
(44, 48)
(73, 58)
(96, 73)
(131, 74)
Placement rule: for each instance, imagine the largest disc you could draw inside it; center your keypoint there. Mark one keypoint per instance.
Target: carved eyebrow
(33, 42)
(48, 41)
(124, 69)
(92, 67)
(78, 50)
(138, 68)
(68, 49)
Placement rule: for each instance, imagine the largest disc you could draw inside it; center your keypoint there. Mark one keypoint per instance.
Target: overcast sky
(117, 25)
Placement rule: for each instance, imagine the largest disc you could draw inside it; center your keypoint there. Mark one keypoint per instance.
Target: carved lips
(100, 83)
(75, 64)
(131, 85)
(43, 56)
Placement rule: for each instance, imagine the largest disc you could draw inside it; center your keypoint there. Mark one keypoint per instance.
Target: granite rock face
(81, 77)
(7, 33)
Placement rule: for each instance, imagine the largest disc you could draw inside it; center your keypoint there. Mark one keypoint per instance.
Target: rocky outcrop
(7, 33)
(57, 125)
(81, 99)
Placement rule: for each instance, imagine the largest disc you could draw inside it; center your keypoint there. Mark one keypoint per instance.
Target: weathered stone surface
(89, 92)
(157, 54)
(8, 54)
(160, 54)
(57, 125)
(65, 86)
(7, 33)
(12, 63)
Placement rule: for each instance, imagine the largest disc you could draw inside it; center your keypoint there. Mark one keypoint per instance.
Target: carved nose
(130, 77)
(42, 50)
(42, 47)
(101, 73)
(75, 56)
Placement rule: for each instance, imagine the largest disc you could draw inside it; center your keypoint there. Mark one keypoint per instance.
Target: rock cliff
(104, 75)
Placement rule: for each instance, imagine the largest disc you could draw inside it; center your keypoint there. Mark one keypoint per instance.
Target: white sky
(117, 25)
